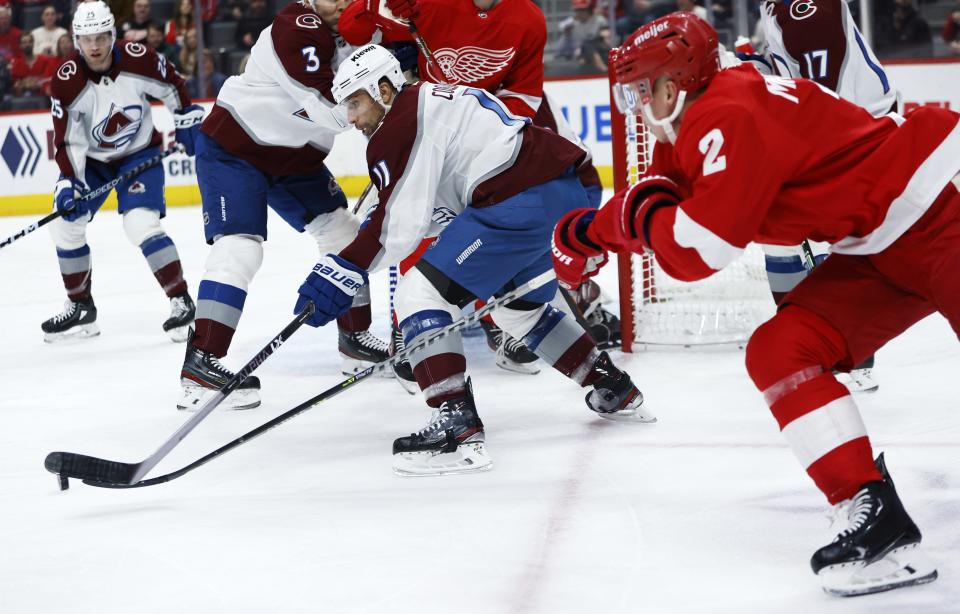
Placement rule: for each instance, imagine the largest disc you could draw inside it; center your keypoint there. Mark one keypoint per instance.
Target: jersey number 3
(710, 145)
(313, 62)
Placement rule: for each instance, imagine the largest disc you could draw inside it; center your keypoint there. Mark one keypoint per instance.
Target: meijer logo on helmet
(655, 30)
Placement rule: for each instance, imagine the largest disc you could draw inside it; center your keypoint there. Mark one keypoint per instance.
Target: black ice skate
(604, 328)
(614, 396)
(512, 355)
(402, 369)
(78, 320)
(453, 442)
(202, 375)
(878, 548)
(182, 312)
(360, 351)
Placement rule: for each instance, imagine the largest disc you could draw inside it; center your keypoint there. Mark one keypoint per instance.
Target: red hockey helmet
(680, 46)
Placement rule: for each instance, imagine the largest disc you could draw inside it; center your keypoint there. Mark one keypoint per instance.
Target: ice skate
(361, 350)
(453, 442)
(614, 396)
(859, 380)
(512, 355)
(604, 326)
(203, 375)
(182, 312)
(877, 548)
(78, 320)
(402, 370)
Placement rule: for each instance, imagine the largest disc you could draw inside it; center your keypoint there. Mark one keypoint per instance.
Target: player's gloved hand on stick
(66, 194)
(187, 122)
(575, 257)
(404, 9)
(331, 286)
(621, 225)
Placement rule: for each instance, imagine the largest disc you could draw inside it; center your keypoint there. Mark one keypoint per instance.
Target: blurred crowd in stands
(35, 37)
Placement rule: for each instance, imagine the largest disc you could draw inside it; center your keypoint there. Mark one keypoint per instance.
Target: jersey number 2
(313, 62)
(710, 146)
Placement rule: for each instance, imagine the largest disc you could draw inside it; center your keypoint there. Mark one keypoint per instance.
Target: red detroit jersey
(777, 160)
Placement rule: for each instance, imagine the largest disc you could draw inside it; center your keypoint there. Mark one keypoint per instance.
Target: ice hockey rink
(705, 511)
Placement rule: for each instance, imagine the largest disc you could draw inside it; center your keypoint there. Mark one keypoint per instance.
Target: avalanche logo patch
(801, 9)
(119, 127)
(67, 70)
(469, 64)
(136, 50)
(137, 187)
(308, 21)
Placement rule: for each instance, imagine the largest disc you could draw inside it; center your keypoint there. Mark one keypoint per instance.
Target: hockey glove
(66, 196)
(621, 225)
(575, 257)
(187, 122)
(331, 286)
(404, 9)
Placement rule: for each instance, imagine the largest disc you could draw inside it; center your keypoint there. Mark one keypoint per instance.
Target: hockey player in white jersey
(102, 128)
(819, 40)
(454, 161)
(264, 144)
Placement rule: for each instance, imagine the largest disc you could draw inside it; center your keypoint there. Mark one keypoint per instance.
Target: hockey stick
(425, 50)
(810, 259)
(70, 465)
(536, 282)
(105, 188)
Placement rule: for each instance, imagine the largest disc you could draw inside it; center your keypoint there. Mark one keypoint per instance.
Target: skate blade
(84, 331)
(904, 566)
(180, 333)
(467, 458)
(352, 366)
(194, 397)
(529, 368)
(633, 412)
(857, 384)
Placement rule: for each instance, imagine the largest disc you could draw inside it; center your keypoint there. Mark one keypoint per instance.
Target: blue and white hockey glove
(331, 286)
(65, 199)
(187, 122)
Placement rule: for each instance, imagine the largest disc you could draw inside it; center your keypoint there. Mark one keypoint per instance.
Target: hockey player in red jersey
(103, 127)
(742, 157)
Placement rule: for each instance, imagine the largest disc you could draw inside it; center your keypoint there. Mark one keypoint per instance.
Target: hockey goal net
(656, 309)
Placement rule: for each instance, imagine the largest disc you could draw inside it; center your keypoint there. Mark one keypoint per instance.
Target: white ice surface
(706, 511)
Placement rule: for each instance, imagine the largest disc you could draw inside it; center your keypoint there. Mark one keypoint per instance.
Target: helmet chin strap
(665, 124)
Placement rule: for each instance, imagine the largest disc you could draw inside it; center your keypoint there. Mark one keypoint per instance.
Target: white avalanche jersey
(279, 115)
(440, 149)
(819, 40)
(107, 116)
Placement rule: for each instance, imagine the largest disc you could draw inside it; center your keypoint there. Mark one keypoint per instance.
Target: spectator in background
(951, 30)
(157, 42)
(213, 79)
(136, 28)
(46, 35)
(690, 6)
(585, 26)
(566, 46)
(254, 20)
(64, 48)
(9, 35)
(31, 73)
(231, 10)
(188, 54)
(181, 22)
(910, 29)
(638, 12)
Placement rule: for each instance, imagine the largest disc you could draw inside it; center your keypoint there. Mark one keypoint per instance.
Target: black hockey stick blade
(82, 467)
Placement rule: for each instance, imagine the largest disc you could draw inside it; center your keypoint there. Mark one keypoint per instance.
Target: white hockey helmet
(363, 71)
(93, 18)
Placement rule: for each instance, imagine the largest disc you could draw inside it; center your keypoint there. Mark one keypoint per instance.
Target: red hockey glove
(575, 258)
(621, 224)
(404, 9)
